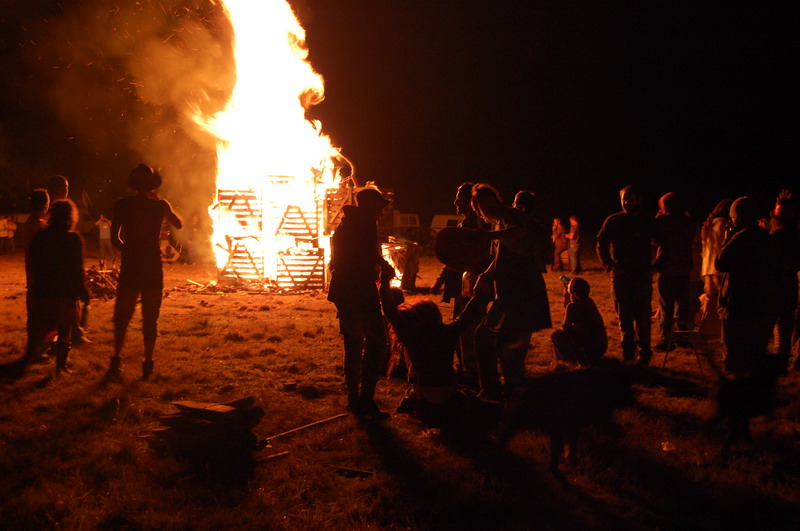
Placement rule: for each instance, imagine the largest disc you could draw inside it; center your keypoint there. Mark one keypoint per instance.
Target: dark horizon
(569, 103)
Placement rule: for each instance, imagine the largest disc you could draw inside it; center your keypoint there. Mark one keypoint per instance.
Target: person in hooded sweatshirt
(356, 263)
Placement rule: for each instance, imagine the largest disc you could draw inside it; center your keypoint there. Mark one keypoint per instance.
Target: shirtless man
(135, 229)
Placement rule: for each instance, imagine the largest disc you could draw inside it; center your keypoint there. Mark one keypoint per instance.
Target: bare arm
(172, 217)
(116, 227)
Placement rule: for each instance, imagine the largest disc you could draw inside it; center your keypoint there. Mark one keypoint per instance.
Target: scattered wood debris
(217, 438)
(102, 283)
(232, 285)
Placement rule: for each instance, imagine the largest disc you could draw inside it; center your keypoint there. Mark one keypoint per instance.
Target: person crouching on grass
(58, 281)
(428, 345)
(135, 230)
(583, 338)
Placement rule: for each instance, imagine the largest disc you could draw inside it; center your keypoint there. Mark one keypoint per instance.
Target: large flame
(265, 143)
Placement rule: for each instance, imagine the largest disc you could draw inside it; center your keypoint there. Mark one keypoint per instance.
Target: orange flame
(265, 144)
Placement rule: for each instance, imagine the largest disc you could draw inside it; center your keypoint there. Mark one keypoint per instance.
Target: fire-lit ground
(74, 452)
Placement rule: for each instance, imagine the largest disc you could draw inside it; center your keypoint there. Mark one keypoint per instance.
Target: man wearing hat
(747, 298)
(135, 229)
(356, 263)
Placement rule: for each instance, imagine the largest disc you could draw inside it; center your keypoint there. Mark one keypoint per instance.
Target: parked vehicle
(406, 226)
(440, 221)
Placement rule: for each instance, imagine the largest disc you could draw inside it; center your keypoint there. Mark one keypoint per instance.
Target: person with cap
(135, 229)
(624, 246)
(583, 337)
(674, 272)
(356, 264)
(746, 300)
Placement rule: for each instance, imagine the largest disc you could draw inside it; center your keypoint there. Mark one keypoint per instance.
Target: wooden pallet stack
(216, 438)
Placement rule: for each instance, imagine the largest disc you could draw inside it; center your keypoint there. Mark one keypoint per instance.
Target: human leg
(352, 330)
(666, 306)
(513, 346)
(486, 355)
(124, 306)
(151, 308)
(375, 348)
(642, 296)
(622, 304)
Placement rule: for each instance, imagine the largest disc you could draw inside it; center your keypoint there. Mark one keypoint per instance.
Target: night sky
(571, 103)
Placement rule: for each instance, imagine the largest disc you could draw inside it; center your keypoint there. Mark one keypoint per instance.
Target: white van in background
(440, 221)
(406, 225)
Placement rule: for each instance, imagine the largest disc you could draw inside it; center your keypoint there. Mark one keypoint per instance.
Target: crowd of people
(743, 277)
(728, 277)
(56, 279)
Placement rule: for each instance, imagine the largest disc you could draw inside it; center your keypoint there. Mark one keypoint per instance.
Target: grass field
(74, 451)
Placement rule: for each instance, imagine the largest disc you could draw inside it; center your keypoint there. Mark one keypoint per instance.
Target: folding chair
(691, 336)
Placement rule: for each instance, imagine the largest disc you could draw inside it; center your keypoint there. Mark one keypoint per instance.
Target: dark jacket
(355, 262)
(749, 262)
(57, 266)
(624, 244)
(679, 231)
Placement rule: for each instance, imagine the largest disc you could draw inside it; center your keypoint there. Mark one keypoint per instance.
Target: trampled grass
(74, 451)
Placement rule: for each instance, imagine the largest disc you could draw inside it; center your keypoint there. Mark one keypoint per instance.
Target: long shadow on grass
(506, 493)
(666, 497)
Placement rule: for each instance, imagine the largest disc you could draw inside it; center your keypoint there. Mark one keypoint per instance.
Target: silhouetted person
(106, 249)
(787, 243)
(712, 235)
(58, 280)
(40, 204)
(7, 229)
(559, 244)
(527, 202)
(624, 248)
(574, 248)
(746, 301)
(57, 189)
(135, 230)
(356, 262)
(458, 286)
(674, 271)
(520, 304)
(583, 337)
(428, 345)
(747, 310)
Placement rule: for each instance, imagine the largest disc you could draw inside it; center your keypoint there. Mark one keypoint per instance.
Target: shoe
(644, 358)
(490, 398)
(81, 340)
(369, 409)
(147, 370)
(114, 373)
(352, 403)
(62, 352)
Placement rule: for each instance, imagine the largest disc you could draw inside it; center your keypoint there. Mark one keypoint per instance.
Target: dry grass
(72, 452)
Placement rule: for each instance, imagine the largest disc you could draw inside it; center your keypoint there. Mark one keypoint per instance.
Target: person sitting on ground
(135, 230)
(58, 282)
(428, 346)
(583, 338)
